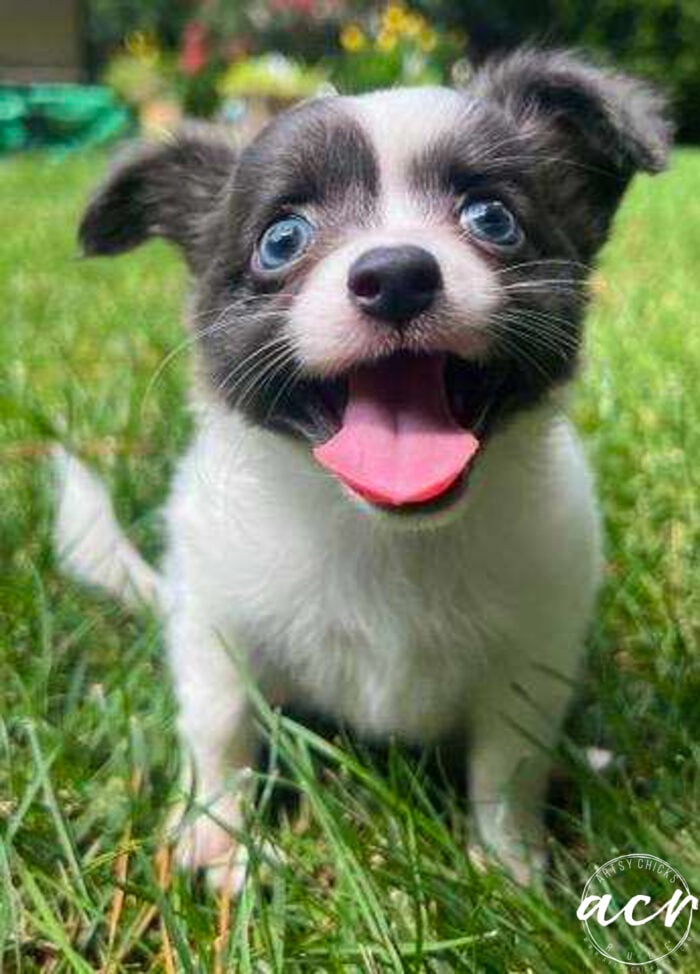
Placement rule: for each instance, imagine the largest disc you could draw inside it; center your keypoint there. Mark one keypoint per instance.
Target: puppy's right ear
(164, 189)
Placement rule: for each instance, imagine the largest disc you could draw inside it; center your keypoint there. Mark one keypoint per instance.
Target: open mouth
(407, 433)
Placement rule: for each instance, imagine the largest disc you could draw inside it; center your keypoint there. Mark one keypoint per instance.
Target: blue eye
(492, 222)
(283, 241)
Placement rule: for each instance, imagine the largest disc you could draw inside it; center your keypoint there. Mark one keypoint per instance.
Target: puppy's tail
(89, 541)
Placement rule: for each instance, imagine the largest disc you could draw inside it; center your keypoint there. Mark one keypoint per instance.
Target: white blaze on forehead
(401, 124)
(329, 333)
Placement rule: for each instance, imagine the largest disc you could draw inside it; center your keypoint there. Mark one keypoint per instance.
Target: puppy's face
(387, 278)
(393, 282)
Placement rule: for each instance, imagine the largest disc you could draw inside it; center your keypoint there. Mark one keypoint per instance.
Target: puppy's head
(390, 277)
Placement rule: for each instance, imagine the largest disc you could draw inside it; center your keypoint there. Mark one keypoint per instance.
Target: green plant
(140, 72)
(396, 45)
(108, 22)
(270, 76)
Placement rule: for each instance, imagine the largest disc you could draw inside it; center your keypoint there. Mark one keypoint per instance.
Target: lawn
(375, 877)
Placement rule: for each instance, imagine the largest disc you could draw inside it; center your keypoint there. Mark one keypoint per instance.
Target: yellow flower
(427, 40)
(413, 24)
(393, 17)
(386, 41)
(352, 38)
(143, 45)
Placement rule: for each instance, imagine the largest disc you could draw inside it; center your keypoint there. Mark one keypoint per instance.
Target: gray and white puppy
(384, 506)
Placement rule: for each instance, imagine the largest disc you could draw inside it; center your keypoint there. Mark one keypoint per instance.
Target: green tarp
(60, 117)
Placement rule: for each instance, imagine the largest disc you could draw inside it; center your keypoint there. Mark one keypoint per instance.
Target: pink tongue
(398, 443)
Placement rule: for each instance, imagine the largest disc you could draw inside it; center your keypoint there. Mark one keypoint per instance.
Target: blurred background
(77, 72)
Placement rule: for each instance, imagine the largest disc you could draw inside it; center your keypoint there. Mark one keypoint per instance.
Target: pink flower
(194, 49)
(303, 7)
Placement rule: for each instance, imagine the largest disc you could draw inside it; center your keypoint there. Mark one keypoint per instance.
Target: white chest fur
(392, 628)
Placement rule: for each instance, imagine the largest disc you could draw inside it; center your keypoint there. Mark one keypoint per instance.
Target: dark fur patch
(315, 158)
(584, 133)
(315, 153)
(619, 119)
(558, 140)
(536, 331)
(168, 189)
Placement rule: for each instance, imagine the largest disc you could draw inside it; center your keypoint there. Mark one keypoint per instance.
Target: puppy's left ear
(615, 116)
(589, 129)
(165, 189)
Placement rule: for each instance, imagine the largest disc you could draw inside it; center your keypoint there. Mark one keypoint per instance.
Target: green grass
(376, 877)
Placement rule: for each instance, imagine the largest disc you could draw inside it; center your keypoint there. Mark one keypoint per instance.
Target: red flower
(303, 7)
(194, 49)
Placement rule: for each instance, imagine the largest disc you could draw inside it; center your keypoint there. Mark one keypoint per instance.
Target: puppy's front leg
(514, 728)
(218, 740)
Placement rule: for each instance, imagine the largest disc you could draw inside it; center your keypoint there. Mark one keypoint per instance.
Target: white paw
(208, 843)
(205, 839)
(229, 874)
(524, 864)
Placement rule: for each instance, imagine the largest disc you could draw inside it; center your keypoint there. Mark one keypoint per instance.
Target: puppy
(384, 507)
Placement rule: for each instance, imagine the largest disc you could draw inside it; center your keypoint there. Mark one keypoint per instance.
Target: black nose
(394, 283)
